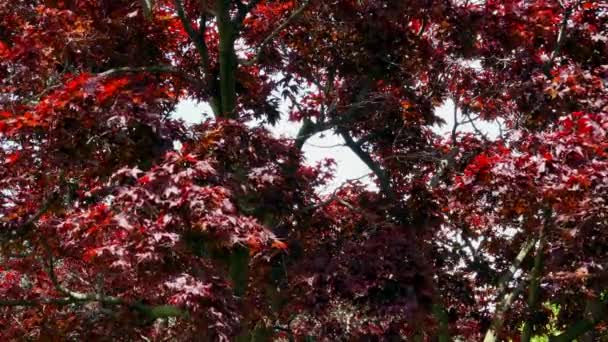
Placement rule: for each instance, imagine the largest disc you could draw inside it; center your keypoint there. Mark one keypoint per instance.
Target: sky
(327, 145)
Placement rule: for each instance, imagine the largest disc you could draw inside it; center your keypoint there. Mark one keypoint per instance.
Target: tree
(119, 222)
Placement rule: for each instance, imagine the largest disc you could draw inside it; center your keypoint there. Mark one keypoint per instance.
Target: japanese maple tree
(120, 222)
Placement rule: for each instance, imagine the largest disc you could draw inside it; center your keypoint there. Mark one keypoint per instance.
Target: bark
(443, 332)
(227, 60)
(534, 290)
(506, 299)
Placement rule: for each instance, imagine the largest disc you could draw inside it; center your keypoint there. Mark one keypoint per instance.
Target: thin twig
(26, 226)
(560, 39)
(195, 37)
(334, 196)
(477, 130)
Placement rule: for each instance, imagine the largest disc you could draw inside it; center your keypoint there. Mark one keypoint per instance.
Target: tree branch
(154, 69)
(152, 312)
(456, 123)
(507, 299)
(441, 315)
(147, 6)
(243, 10)
(25, 227)
(307, 130)
(479, 132)
(36, 301)
(334, 197)
(579, 328)
(499, 315)
(523, 253)
(310, 128)
(447, 163)
(533, 292)
(383, 178)
(197, 39)
(560, 40)
(444, 167)
(72, 297)
(356, 147)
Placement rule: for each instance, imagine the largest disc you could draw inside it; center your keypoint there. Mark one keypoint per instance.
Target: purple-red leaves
(108, 232)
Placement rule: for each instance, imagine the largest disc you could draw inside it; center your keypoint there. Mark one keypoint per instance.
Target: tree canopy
(120, 222)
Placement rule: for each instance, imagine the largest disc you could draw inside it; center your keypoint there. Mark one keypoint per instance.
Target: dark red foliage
(119, 222)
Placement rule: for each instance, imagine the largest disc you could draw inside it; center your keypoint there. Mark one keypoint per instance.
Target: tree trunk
(227, 60)
(534, 289)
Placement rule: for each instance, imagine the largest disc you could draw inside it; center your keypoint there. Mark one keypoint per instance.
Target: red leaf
(254, 243)
(12, 158)
(190, 158)
(111, 88)
(89, 254)
(279, 245)
(145, 179)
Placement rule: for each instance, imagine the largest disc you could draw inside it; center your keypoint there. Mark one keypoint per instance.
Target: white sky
(327, 145)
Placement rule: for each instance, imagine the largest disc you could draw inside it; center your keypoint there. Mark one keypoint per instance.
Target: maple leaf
(12, 158)
(145, 179)
(100, 211)
(279, 245)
